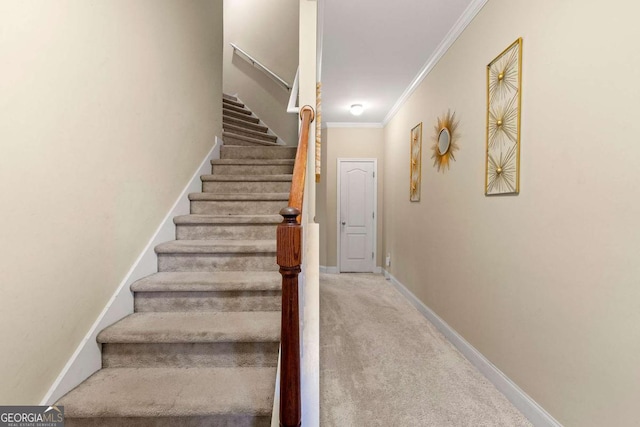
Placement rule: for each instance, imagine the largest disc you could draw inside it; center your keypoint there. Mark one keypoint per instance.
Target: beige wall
(107, 109)
(268, 31)
(345, 143)
(545, 284)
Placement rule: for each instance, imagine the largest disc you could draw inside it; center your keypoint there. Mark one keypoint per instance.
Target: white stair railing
(292, 107)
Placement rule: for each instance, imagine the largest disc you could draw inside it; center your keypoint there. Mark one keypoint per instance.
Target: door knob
(344, 222)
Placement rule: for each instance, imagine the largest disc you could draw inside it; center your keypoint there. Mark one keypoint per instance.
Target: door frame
(339, 162)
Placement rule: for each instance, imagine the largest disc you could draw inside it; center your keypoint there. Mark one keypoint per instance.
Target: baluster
(289, 259)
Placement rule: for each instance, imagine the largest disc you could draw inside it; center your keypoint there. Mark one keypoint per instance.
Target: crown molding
(470, 12)
(352, 125)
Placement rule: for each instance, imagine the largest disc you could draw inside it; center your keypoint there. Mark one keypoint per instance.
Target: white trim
(87, 358)
(352, 125)
(521, 400)
(310, 327)
(275, 410)
(467, 16)
(334, 270)
(319, 40)
(293, 97)
(340, 160)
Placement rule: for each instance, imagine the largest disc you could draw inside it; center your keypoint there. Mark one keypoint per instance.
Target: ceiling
(373, 50)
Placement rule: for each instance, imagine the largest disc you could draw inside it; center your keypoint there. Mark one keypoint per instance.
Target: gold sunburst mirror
(445, 141)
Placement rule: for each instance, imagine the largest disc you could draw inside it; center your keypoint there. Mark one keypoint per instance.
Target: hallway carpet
(383, 364)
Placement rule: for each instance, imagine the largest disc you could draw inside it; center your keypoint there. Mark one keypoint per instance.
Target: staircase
(241, 126)
(201, 347)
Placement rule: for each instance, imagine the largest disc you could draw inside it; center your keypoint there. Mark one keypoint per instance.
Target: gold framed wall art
(318, 130)
(445, 141)
(504, 95)
(415, 171)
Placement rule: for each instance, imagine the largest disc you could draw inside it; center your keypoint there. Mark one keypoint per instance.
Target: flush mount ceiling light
(356, 109)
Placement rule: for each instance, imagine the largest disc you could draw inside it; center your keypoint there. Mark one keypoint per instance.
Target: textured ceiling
(373, 50)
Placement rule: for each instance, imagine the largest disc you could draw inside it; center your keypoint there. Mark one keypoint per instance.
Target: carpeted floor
(383, 364)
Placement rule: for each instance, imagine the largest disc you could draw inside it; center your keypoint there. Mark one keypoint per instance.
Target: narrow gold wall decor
(504, 90)
(416, 163)
(318, 130)
(445, 141)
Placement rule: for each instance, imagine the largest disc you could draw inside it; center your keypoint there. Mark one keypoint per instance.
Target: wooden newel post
(289, 259)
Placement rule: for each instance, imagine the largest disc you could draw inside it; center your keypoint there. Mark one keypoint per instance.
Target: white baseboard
(521, 400)
(334, 270)
(87, 358)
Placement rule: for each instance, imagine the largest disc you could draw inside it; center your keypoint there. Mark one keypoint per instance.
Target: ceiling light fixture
(356, 109)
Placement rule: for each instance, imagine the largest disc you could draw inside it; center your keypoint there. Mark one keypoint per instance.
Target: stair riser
(231, 152)
(230, 207)
(190, 355)
(207, 301)
(229, 140)
(185, 421)
(217, 262)
(240, 116)
(251, 169)
(244, 124)
(226, 231)
(235, 187)
(251, 134)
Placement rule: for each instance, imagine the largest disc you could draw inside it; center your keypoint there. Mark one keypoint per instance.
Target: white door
(356, 215)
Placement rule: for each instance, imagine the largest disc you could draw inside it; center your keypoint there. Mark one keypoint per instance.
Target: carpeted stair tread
(190, 327)
(230, 138)
(229, 97)
(228, 127)
(247, 178)
(226, 219)
(241, 116)
(254, 162)
(232, 102)
(238, 196)
(258, 133)
(216, 281)
(257, 152)
(255, 126)
(216, 247)
(230, 107)
(172, 392)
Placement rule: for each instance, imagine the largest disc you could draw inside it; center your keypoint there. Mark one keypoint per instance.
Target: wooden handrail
(289, 257)
(296, 195)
